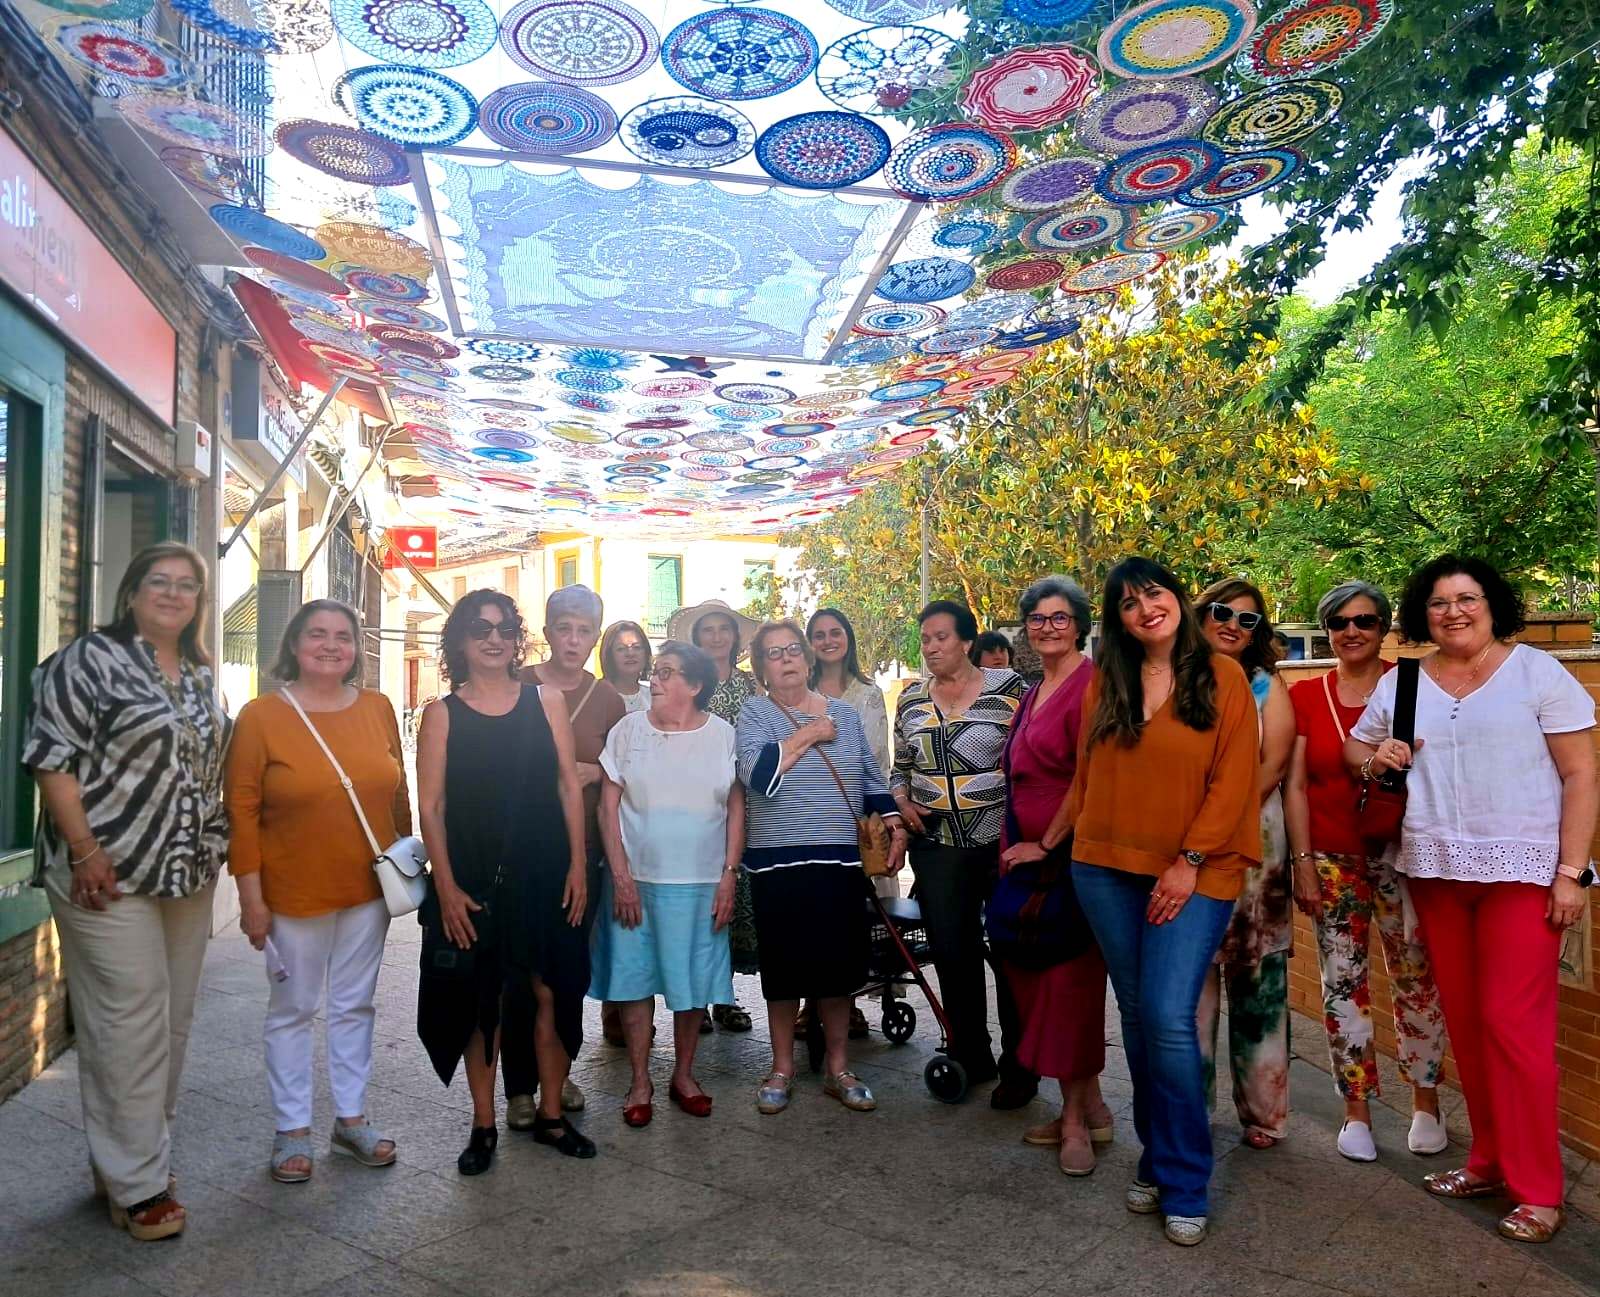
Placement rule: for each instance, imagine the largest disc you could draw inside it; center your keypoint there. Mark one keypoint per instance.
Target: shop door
(20, 525)
(135, 511)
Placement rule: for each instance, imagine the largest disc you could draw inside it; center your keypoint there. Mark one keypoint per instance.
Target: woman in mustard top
(304, 869)
(1165, 824)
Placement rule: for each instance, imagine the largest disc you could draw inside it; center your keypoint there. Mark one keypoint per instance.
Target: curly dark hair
(1505, 600)
(1263, 650)
(1119, 712)
(453, 639)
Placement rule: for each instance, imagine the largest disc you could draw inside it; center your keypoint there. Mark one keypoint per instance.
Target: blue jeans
(1157, 972)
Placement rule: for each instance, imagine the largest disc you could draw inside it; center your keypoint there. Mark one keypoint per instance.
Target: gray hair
(697, 667)
(574, 601)
(1060, 587)
(1342, 594)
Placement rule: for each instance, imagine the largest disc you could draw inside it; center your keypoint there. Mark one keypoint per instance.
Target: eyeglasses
(1059, 620)
(481, 628)
(664, 673)
(778, 651)
(158, 583)
(1467, 603)
(1360, 620)
(1222, 615)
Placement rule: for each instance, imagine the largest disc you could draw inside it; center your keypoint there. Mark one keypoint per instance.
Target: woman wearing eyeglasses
(1347, 887)
(125, 740)
(672, 814)
(802, 857)
(625, 663)
(1500, 812)
(1253, 964)
(502, 816)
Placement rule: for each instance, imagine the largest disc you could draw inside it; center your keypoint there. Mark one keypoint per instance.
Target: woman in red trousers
(1500, 811)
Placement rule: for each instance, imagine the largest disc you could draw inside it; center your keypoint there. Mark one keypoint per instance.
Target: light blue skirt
(672, 953)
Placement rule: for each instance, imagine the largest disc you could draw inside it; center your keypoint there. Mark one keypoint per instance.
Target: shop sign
(264, 424)
(55, 263)
(419, 544)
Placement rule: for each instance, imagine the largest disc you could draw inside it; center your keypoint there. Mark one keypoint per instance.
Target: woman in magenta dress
(1062, 1007)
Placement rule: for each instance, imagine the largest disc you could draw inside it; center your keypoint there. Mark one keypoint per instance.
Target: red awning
(282, 339)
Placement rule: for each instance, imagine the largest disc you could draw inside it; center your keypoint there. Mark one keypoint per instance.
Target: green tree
(1440, 426)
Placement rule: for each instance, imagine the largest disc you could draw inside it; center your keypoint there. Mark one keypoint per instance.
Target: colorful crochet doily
(1137, 114)
(1241, 175)
(1274, 116)
(1030, 87)
(739, 52)
(1160, 171)
(418, 33)
(345, 152)
(949, 161)
(1312, 36)
(687, 131)
(822, 150)
(890, 69)
(1173, 38)
(411, 106)
(542, 117)
(585, 42)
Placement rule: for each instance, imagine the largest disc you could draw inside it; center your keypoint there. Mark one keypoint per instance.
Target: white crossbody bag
(402, 869)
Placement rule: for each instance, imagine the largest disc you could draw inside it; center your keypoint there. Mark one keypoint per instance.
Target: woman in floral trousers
(1346, 886)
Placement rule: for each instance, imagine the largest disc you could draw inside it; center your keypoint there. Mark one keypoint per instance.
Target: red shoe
(638, 1115)
(696, 1105)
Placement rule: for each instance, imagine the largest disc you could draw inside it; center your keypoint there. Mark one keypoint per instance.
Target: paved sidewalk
(917, 1198)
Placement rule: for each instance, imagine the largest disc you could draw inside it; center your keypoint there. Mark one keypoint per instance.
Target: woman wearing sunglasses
(1253, 963)
(502, 816)
(1347, 888)
(802, 857)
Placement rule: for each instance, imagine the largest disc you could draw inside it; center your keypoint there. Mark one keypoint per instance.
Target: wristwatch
(1584, 877)
(1195, 858)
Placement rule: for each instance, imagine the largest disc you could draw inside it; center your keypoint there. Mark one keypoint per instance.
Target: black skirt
(811, 930)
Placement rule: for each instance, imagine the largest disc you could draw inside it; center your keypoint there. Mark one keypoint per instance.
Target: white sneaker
(1428, 1135)
(1355, 1142)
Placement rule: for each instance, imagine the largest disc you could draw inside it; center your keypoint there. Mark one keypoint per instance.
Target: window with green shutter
(663, 591)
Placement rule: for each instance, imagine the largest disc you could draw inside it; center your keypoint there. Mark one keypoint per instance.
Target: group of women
(1150, 816)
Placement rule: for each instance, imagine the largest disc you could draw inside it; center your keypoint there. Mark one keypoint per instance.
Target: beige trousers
(132, 973)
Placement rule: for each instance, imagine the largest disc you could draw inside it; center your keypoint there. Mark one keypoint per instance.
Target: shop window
(458, 589)
(135, 511)
(511, 582)
(566, 570)
(758, 579)
(21, 528)
(663, 592)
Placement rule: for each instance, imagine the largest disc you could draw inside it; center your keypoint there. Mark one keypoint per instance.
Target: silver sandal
(361, 1142)
(284, 1149)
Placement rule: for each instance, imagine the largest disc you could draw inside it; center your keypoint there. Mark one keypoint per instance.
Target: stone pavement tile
(1265, 1202)
(1442, 1252)
(756, 1252)
(387, 1280)
(566, 1219)
(55, 1092)
(1543, 1282)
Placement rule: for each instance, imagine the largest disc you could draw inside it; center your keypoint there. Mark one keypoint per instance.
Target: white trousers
(340, 953)
(132, 973)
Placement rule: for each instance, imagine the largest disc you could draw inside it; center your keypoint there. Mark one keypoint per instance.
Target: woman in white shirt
(1500, 811)
(625, 663)
(672, 818)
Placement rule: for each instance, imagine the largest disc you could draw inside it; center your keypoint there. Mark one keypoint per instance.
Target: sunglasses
(509, 630)
(777, 651)
(1222, 615)
(1361, 621)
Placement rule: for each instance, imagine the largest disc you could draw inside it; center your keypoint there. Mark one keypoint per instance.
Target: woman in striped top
(806, 880)
(126, 740)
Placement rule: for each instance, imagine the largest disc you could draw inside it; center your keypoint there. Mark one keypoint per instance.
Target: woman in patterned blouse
(126, 739)
(949, 737)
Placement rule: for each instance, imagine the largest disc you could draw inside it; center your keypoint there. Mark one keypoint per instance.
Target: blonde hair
(191, 639)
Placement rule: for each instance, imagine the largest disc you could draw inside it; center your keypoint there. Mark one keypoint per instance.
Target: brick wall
(34, 1025)
(1578, 1034)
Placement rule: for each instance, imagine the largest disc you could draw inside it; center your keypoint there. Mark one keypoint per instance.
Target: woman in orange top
(1165, 824)
(304, 868)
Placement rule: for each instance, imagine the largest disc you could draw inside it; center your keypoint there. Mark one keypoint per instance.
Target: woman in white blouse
(625, 663)
(1500, 811)
(672, 818)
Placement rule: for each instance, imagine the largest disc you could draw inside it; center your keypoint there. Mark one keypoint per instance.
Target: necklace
(1153, 672)
(1366, 697)
(1460, 689)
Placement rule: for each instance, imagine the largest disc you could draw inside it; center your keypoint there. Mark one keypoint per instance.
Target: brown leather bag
(872, 834)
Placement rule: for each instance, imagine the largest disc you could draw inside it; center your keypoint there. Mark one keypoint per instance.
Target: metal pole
(283, 466)
(927, 575)
(332, 520)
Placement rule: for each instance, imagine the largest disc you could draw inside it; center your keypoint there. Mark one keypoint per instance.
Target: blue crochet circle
(925, 279)
(912, 390)
(250, 226)
(378, 283)
(203, 16)
(587, 380)
(417, 33)
(1050, 13)
(739, 53)
(968, 234)
(687, 131)
(872, 351)
(542, 117)
(411, 106)
(493, 373)
(598, 358)
(822, 150)
(501, 349)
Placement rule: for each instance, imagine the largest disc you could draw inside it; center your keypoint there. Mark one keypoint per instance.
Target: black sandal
(478, 1155)
(563, 1136)
(730, 1017)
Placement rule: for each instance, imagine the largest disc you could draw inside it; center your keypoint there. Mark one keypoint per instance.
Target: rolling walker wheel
(899, 1022)
(946, 1079)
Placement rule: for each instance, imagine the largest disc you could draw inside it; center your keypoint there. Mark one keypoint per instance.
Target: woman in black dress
(502, 817)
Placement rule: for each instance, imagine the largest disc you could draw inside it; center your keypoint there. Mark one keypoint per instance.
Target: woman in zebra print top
(126, 739)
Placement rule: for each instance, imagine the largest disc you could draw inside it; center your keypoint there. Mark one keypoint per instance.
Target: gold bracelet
(83, 860)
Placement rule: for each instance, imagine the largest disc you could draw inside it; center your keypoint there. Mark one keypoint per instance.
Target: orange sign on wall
(53, 260)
